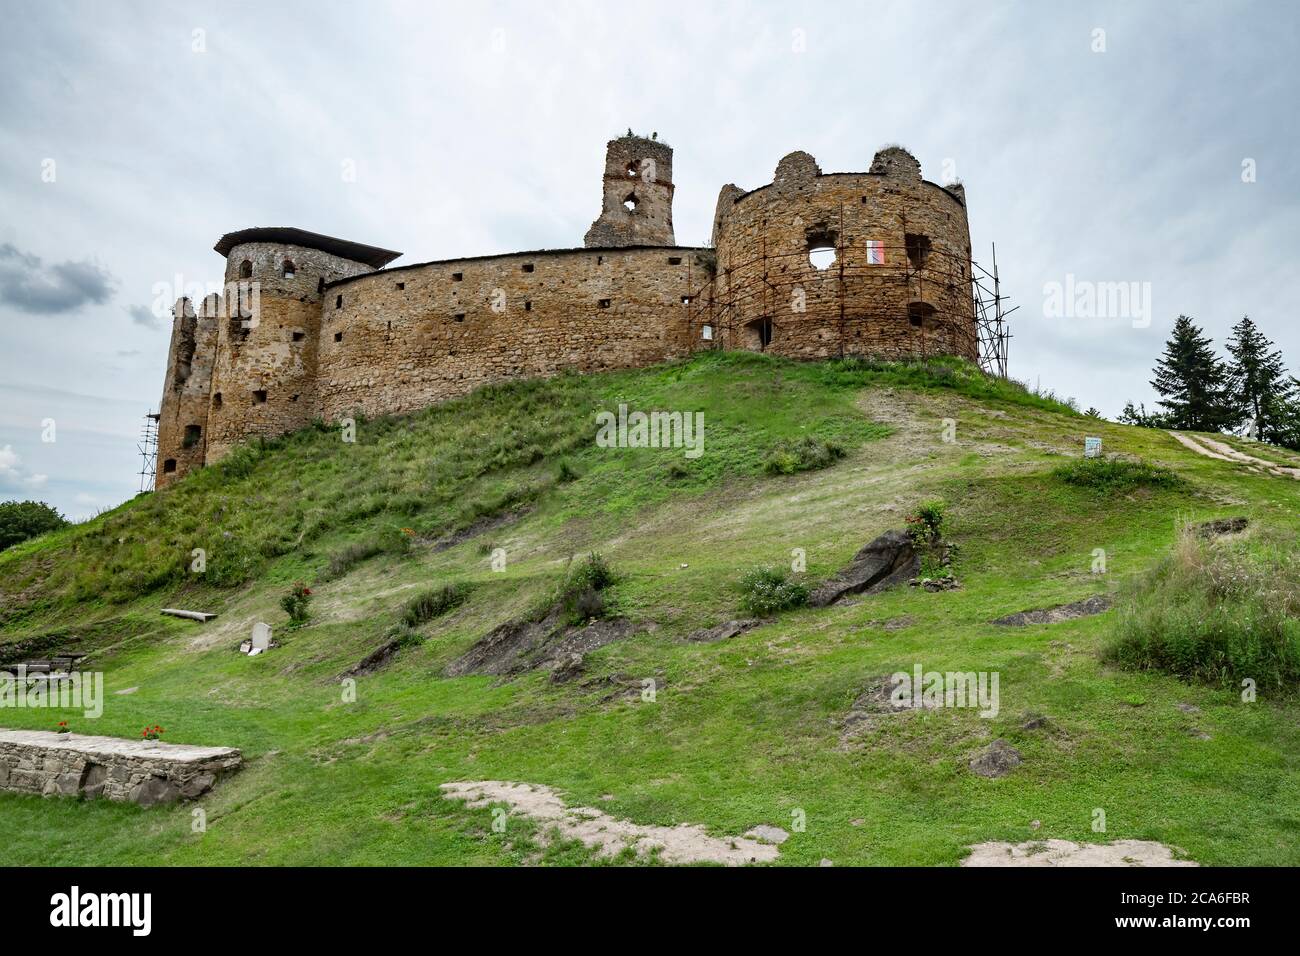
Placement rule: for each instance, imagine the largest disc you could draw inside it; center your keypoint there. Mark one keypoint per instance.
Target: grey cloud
(27, 284)
(142, 315)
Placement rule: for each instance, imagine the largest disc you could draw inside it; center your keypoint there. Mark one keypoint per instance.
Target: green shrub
(20, 520)
(435, 603)
(802, 454)
(1216, 611)
(1113, 474)
(581, 596)
(296, 604)
(767, 590)
(925, 524)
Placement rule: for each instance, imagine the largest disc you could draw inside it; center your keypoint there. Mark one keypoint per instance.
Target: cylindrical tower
(269, 327)
(817, 265)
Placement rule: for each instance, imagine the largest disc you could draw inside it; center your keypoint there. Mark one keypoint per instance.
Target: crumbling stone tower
(637, 205)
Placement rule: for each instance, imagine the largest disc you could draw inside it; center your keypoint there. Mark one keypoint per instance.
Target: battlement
(811, 265)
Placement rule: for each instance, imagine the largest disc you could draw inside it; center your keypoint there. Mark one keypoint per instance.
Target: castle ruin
(812, 265)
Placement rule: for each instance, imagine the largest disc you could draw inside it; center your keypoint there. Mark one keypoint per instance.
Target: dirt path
(1221, 452)
(684, 843)
(1065, 853)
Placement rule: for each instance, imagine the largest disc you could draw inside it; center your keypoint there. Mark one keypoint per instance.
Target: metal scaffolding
(148, 448)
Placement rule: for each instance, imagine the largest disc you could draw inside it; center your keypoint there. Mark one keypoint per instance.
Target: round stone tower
(637, 202)
(819, 265)
(262, 338)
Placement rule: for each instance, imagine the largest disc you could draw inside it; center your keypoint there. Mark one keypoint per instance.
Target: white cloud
(13, 476)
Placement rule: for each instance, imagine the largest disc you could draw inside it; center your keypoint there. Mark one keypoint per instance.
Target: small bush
(435, 603)
(767, 590)
(20, 520)
(1216, 611)
(581, 597)
(925, 524)
(1112, 475)
(296, 604)
(802, 454)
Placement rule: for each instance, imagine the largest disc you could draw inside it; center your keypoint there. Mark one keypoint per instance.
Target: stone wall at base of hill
(146, 772)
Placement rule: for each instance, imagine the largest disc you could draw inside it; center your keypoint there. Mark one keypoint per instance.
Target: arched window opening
(246, 269)
(287, 270)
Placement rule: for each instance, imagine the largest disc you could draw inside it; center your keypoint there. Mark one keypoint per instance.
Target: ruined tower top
(637, 203)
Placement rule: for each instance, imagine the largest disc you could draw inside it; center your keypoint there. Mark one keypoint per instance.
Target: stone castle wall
(337, 337)
(402, 339)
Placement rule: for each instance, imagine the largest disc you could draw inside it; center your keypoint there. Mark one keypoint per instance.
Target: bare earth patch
(684, 843)
(1216, 449)
(1065, 853)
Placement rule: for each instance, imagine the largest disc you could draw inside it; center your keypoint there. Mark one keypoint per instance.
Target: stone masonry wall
(266, 375)
(402, 339)
(639, 174)
(903, 306)
(187, 391)
(146, 772)
(253, 365)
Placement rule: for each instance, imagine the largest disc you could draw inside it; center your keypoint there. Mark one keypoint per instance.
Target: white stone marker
(261, 637)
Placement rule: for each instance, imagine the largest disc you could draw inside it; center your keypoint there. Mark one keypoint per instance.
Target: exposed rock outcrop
(889, 560)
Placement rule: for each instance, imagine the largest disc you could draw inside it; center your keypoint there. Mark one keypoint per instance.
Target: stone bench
(146, 772)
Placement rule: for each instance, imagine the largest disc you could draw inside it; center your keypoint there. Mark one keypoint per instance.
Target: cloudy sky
(1149, 143)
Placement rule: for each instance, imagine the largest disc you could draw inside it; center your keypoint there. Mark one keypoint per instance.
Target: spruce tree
(1256, 380)
(1283, 416)
(1191, 381)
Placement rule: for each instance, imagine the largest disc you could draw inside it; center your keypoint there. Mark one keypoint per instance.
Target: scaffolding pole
(148, 448)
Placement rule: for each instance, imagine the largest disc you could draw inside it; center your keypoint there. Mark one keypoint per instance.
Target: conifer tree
(1257, 384)
(1283, 416)
(1191, 381)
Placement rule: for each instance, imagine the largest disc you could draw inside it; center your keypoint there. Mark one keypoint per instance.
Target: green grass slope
(741, 732)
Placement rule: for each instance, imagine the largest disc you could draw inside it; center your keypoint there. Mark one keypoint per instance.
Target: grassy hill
(741, 732)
